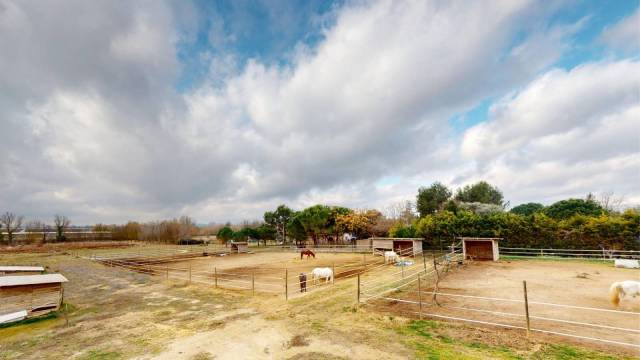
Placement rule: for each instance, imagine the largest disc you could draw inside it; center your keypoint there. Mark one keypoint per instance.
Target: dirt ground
(268, 268)
(584, 284)
(115, 313)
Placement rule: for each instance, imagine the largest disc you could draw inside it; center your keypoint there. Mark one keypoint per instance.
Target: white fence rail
(569, 253)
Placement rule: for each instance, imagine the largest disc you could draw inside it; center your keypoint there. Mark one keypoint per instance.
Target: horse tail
(312, 254)
(614, 293)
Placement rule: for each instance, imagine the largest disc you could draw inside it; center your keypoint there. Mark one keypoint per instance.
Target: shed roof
(20, 268)
(19, 280)
(478, 239)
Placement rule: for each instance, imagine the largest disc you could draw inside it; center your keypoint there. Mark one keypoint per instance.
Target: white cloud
(566, 134)
(94, 128)
(625, 35)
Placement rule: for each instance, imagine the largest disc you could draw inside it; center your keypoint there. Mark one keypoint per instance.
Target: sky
(113, 111)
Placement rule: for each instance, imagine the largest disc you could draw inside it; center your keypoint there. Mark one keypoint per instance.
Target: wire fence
(582, 254)
(418, 294)
(160, 261)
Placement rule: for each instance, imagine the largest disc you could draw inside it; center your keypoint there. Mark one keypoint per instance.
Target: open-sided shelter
(480, 248)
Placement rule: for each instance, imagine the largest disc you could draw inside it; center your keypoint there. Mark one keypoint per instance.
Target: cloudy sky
(137, 110)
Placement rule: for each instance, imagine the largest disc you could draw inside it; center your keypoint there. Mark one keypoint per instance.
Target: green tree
(433, 198)
(246, 233)
(481, 192)
(266, 232)
(279, 219)
(527, 209)
(296, 230)
(565, 209)
(333, 225)
(225, 234)
(403, 231)
(315, 220)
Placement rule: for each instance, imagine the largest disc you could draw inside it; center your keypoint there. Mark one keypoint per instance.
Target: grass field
(118, 314)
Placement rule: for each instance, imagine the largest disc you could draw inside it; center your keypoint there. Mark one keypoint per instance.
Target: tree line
(322, 224)
(479, 210)
(439, 215)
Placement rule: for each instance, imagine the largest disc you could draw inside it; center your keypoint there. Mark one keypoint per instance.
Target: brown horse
(308, 253)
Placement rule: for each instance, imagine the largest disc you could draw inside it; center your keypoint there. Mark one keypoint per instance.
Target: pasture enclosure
(275, 270)
(547, 298)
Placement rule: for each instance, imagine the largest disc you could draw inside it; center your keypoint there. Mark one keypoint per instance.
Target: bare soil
(268, 269)
(584, 284)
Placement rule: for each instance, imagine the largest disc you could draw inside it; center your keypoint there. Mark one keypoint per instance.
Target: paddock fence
(418, 295)
(569, 254)
(162, 261)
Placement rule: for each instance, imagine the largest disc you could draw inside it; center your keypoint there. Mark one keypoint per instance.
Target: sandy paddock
(268, 268)
(576, 283)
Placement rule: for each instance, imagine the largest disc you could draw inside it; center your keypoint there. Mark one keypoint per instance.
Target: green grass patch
(423, 336)
(25, 322)
(101, 355)
(563, 352)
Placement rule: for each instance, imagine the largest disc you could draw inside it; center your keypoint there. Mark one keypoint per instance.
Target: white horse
(322, 273)
(347, 238)
(390, 256)
(618, 290)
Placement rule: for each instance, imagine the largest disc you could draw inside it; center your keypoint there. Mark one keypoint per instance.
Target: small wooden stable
(239, 247)
(405, 246)
(20, 270)
(480, 248)
(35, 294)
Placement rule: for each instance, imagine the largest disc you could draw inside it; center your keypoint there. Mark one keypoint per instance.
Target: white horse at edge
(390, 256)
(322, 273)
(619, 290)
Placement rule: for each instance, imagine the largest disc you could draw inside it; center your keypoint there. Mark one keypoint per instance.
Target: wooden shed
(20, 270)
(239, 247)
(404, 246)
(480, 248)
(35, 294)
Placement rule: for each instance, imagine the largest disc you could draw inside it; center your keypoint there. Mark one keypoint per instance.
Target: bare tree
(37, 230)
(610, 202)
(402, 211)
(11, 223)
(187, 227)
(61, 223)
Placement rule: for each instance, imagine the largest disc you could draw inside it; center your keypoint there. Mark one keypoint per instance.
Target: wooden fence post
(333, 269)
(526, 306)
(435, 288)
(215, 277)
(286, 284)
(424, 262)
(420, 296)
(358, 297)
